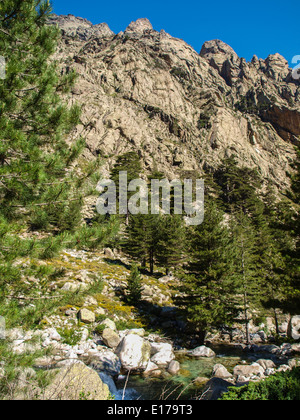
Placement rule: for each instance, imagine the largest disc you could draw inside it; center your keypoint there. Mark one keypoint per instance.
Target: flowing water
(182, 386)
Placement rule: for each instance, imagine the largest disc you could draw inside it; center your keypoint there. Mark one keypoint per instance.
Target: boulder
(160, 347)
(90, 301)
(163, 358)
(202, 351)
(296, 348)
(77, 382)
(295, 327)
(137, 331)
(215, 388)
(134, 352)
(247, 371)
(86, 316)
(99, 311)
(108, 323)
(219, 371)
(109, 253)
(283, 368)
(150, 368)
(44, 362)
(110, 338)
(155, 374)
(266, 364)
(267, 348)
(174, 367)
(293, 363)
(52, 334)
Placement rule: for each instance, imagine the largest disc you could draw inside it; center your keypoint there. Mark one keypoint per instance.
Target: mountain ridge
(182, 111)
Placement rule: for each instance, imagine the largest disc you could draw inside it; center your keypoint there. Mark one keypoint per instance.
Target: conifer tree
(280, 256)
(130, 163)
(41, 189)
(246, 270)
(239, 186)
(142, 236)
(208, 292)
(134, 286)
(295, 256)
(290, 226)
(273, 270)
(171, 246)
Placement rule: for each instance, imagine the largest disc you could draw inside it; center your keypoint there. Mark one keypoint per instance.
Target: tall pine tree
(208, 294)
(41, 189)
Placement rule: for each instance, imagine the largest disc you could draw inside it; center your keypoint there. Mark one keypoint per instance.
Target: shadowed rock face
(183, 112)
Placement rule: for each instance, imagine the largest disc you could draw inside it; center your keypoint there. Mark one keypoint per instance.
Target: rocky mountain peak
(277, 66)
(220, 56)
(216, 47)
(83, 29)
(139, 26)
(182, 112)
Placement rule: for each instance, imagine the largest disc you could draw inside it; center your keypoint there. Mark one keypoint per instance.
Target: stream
(179, 387)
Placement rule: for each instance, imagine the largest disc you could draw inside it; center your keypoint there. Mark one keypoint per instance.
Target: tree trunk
(202, 336)
(245, 296)
(289, 328)
(151, 263)
(276, 322)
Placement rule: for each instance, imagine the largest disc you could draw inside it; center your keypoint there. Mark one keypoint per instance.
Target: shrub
(70, 336)
(99, 329)
(180, 73)
(279, 387)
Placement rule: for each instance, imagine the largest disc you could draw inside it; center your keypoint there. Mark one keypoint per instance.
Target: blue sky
(260, 27)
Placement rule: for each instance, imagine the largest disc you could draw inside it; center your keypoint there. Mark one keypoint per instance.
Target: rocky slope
(182, 111)
(95, 337)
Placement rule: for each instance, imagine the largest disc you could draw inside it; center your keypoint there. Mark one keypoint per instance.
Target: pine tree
(134, 286)
(130, 163)
(239, 186)
(295, 256)
(246, 269)
(41, 189)
(208, 292)
(171, 245)
(290, 229)
(273, 270)
(142, 235)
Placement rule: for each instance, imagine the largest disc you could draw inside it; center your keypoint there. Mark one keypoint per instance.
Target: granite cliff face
(182, 111)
